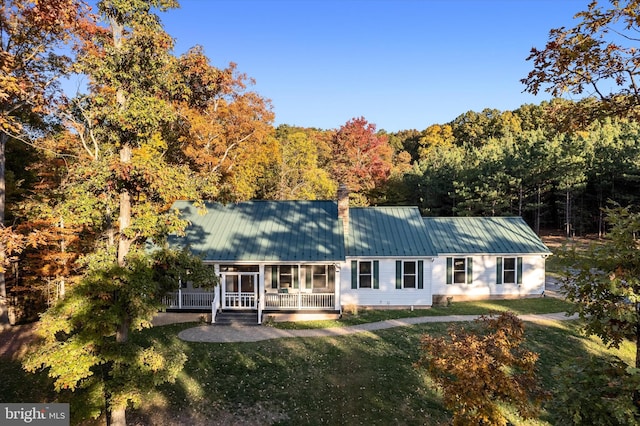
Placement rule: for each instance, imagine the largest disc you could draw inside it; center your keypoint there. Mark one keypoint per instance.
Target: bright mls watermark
(55, 414)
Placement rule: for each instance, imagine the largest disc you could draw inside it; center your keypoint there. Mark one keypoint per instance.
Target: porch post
(337, 282)
(216, 268)
(299, 287)
(215, 303)
(180, 296)
(261, 292)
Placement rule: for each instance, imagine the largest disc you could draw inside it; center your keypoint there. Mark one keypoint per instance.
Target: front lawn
(538, 305)
(366, 378)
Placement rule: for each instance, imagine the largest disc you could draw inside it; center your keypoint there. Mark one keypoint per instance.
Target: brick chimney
(343, 206)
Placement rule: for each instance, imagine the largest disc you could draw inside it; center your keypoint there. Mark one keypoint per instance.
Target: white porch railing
(186, 300)
(213, 300)
(240, 300)
(299, 301)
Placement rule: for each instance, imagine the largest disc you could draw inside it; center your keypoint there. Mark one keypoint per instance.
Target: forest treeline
(528, 162)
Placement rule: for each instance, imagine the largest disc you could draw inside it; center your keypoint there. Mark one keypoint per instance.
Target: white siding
(484, 278)
(387, 295)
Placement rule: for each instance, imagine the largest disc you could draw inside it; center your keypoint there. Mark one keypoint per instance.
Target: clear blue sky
(403, 64)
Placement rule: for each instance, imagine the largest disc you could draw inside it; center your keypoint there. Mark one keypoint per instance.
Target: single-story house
(278, 257)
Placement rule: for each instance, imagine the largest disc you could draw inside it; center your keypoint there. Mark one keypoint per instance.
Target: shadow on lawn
(367, 378)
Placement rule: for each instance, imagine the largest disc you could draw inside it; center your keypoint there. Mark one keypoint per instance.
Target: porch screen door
(240, 290)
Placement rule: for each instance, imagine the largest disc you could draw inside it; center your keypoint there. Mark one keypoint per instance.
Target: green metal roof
(476, 235)
(291, 231)
(387, 232)
(310, 231)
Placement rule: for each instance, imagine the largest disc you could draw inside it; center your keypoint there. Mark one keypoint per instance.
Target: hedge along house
(486, 257)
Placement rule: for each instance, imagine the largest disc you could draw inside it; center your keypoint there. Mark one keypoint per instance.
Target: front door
(240, 290)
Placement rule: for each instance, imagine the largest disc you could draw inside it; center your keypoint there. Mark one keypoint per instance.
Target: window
(319, 279)
(459, 270)
(509, 270)
(365, 274)
(284, 276)
(409, 274)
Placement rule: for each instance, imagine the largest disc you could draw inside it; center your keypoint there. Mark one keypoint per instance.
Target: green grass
(539, 305)
(366, 378)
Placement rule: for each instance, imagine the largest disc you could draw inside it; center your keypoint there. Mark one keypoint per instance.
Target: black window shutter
(376, 274)
(274, 277)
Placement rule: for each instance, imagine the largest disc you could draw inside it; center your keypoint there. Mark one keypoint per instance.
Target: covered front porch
(202, 300)
(268, 288)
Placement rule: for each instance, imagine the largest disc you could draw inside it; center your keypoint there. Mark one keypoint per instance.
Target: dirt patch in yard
(556, 239)
(14, 340)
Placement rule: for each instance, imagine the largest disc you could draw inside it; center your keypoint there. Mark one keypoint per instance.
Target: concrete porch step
(237, 318)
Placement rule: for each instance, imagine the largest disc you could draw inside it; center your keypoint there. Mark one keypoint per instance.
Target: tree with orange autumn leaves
(361, 158)
(226, 132)
(123, 173)
(34, 36)
(151, 129)
(477, 370)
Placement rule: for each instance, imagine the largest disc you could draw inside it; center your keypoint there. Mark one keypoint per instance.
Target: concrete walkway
(231, 334)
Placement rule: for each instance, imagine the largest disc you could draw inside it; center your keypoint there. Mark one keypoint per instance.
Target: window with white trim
(459, 270)
(509, 270)
(320, 276)
(365, 274)
(409, 274)
(286, 276)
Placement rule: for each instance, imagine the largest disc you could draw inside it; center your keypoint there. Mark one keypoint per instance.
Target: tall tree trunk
(567, 213)
(600, 216)
(118, 417)
(124, 243)
(520, 196)
(63, 249)
(538, 200)
(4, 305)
(118, 414)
